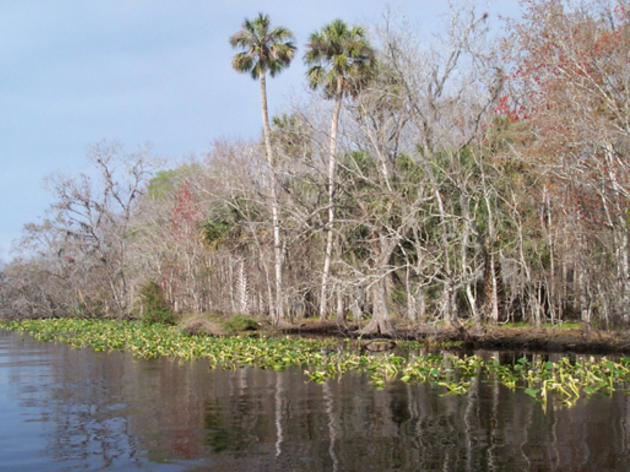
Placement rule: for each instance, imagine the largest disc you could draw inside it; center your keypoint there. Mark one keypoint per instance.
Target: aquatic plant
(567, 379)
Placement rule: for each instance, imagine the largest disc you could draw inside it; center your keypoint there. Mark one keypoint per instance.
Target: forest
(481, 178)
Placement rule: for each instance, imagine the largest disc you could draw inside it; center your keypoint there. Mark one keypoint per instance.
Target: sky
(74, 73)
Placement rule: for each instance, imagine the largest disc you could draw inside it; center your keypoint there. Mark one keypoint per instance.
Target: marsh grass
(568, 379)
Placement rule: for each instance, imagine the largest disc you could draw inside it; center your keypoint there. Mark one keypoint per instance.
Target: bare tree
(93, 215)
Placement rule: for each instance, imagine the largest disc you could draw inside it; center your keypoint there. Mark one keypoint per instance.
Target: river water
(64, 409)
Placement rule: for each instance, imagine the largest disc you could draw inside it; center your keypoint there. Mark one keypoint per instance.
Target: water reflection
(65, 409)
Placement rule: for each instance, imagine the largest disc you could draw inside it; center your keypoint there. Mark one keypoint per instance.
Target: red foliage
(567, 82)
(509, 109)
(184, 214)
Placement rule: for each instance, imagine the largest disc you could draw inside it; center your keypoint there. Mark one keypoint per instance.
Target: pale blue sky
(76, 72)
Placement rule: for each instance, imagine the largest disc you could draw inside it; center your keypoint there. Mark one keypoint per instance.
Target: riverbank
(564, 337)
(560, 338)
(569, 337)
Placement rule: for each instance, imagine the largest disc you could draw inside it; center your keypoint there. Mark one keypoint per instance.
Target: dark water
(63, 409)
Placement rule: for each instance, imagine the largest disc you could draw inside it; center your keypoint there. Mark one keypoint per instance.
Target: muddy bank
(586, 340)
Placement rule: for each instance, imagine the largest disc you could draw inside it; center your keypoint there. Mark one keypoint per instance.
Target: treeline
(483, 179)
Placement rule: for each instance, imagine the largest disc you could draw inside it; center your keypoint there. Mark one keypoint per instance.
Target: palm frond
(339, 52)
(242, 62)
(262, 50)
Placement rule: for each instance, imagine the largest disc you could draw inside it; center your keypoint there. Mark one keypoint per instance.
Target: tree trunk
(490, 308)
(380, 322)
(582, 290)
(448, 303)
(278, 311)
(340, 312)
(332, 165)
(243, 299)
(230, 285)
(466, 269)
(551, 285)
(412, 309)
(490, 286)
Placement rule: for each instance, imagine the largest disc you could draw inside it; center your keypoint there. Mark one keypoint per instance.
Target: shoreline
(488, 337)
(569, 338)
(448, 368)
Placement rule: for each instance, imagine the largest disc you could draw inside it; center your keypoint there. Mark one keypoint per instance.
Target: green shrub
(154, 307)
(240, 323)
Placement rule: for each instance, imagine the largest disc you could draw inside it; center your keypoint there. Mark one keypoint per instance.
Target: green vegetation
(155, 308)
(241, 323)
(323, 359)
(150, 341)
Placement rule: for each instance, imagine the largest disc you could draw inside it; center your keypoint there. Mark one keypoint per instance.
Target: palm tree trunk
(278, 312)
(332, 165)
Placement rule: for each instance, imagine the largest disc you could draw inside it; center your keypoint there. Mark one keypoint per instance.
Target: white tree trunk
(243, 299)
(278, 310)
(332, 166)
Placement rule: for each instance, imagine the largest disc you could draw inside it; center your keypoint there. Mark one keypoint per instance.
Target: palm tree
(265, 49)
(340, 61)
